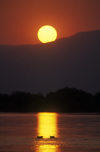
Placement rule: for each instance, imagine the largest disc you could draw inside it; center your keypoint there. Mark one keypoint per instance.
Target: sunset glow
(20, 21)
(47, 33)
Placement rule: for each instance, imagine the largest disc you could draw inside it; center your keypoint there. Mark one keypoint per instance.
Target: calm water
(74, 133)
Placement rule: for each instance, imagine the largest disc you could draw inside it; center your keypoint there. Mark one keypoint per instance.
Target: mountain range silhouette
(72, 62)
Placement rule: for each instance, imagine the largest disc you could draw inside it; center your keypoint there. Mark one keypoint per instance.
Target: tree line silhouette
(63, 100)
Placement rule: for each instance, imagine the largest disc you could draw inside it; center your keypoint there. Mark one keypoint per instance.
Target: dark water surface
(74, 133)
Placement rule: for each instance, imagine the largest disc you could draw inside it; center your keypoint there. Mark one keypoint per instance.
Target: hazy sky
(21, 19)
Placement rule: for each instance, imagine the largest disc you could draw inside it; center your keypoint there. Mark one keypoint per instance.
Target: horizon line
(52, 41)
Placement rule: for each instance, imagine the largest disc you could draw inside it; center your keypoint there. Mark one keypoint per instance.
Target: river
(72, 132)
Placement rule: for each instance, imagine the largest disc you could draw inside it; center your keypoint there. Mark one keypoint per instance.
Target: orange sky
(21, 19)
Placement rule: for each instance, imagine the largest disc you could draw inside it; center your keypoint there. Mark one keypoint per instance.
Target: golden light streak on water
(47, 148)
(47, 124)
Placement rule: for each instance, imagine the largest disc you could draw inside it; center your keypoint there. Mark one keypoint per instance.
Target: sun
(47, 34)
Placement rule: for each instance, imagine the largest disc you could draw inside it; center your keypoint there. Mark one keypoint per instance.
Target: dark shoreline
(66, 100)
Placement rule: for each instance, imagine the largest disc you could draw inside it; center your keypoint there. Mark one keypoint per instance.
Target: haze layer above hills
(72, 62)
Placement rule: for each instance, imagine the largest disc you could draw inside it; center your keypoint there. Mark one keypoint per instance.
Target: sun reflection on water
(47, 126)
(47, 148)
